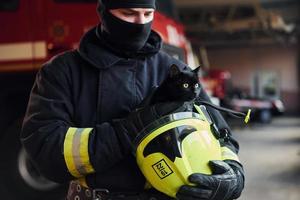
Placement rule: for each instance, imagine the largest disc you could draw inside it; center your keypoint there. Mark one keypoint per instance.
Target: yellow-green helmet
(174, 147)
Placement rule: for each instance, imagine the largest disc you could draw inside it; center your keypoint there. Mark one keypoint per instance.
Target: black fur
(180, 85)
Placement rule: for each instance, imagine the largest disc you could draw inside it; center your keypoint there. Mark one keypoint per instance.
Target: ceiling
(239, 22)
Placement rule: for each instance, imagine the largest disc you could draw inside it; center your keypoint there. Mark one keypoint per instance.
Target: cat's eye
(185, 85)
(196, 85)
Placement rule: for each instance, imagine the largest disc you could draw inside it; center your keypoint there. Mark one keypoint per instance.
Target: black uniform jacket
(87, 88)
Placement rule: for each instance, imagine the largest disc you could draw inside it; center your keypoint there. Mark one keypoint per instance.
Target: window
(10, 5)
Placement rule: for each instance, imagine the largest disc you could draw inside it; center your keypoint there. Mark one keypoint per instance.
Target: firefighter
(82, 105)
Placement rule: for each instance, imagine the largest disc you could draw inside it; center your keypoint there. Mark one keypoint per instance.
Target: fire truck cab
(32, 31)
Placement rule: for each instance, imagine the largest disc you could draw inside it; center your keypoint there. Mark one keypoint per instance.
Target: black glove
(137, 120)
(226, 183)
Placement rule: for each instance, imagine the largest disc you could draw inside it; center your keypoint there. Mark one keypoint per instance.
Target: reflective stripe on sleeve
(228, 154)
(76, 151)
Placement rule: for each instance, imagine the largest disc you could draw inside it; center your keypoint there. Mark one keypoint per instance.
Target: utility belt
(78, 192)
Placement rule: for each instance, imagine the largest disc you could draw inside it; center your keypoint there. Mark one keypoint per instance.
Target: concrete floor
(271, 157)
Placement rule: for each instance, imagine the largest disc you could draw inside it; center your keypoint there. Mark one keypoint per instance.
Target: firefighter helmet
(174, 147)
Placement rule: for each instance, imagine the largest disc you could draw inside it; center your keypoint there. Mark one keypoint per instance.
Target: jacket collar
(91, 49)
(94, 50)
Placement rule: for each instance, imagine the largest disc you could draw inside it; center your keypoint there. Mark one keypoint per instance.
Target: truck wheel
(19, 178)
(265, 116)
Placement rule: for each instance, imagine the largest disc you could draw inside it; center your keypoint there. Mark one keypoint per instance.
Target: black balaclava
(121, 35)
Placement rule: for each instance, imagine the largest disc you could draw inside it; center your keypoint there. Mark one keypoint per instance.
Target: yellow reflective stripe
(84, 151)
(76, 151)
(68, 153)
(227, 154)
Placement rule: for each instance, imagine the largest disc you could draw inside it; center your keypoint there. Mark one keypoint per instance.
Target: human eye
(148, 14)
(128, 13)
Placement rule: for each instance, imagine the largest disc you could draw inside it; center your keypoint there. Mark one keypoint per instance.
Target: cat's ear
(196, 70)
(174, 70)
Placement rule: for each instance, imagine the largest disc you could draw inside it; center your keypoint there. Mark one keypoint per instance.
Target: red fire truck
(32, 31)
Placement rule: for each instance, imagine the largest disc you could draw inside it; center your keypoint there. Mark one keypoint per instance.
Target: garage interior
(255, 40)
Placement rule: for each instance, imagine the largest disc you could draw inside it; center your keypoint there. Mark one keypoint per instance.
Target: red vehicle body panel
(37, 30)
(215, 82)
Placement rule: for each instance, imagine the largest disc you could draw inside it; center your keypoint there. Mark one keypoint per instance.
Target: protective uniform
(67, 130)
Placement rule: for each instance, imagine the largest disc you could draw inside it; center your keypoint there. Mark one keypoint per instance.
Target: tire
(19, 178)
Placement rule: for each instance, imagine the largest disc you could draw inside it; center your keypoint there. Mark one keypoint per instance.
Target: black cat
(180, 85)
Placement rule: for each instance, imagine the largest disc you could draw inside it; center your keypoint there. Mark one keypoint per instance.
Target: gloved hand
(137, 120)
(226, 183)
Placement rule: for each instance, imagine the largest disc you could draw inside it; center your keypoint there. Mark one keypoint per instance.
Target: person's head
(126, 24)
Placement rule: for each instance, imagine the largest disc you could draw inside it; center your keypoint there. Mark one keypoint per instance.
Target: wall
(243, 62)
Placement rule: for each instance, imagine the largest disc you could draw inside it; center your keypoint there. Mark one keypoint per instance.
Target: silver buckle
(99, 193)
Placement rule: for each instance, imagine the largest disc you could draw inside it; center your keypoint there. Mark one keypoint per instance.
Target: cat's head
(183, 85)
